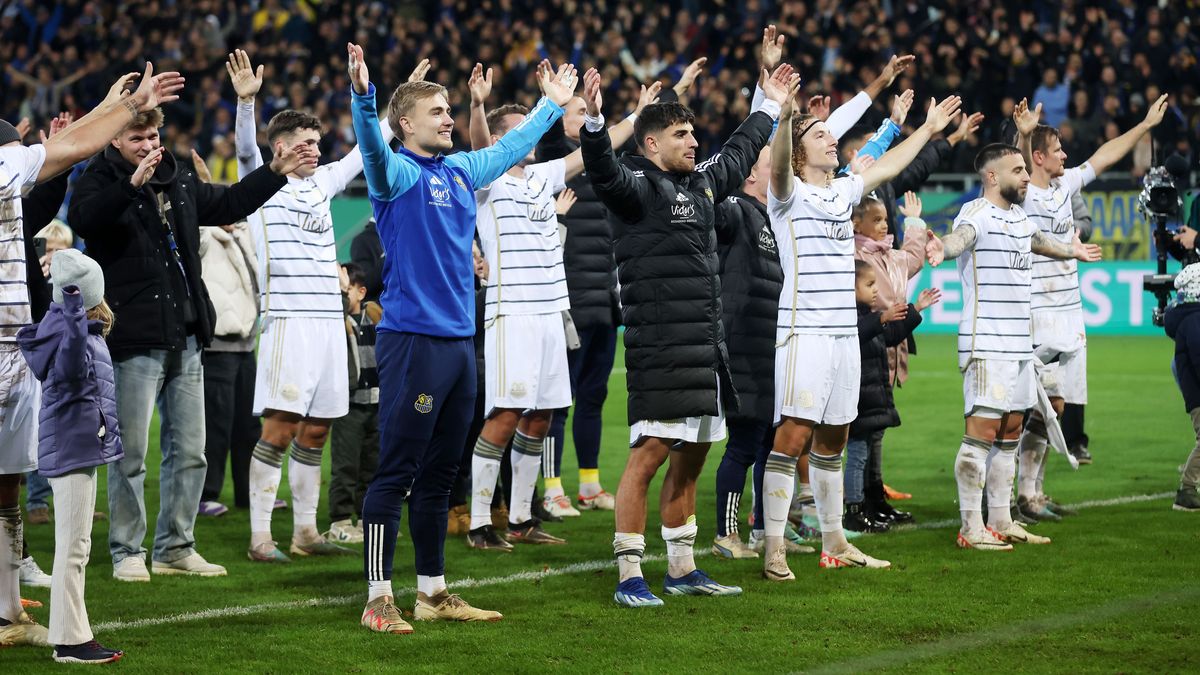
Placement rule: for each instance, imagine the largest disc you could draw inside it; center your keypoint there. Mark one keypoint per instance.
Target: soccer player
(1058, 330)
(301, 384)
(661, 206)
(817, 362)
(424, 203)
(525, 341)
(994, 242)
(20, 169)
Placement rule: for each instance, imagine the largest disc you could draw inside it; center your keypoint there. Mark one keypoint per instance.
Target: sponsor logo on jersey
(683, 211)
(1020, 261)
(766, 241)
(840, 231)
(424, 404)
(1062, 225)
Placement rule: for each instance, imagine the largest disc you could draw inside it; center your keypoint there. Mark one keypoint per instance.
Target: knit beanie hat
(8, 133)
(69, 267)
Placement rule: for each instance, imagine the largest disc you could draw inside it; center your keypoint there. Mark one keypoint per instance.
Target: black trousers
(353, 457)
(230, 427)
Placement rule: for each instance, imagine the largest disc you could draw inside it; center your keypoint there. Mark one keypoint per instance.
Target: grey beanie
(69, 267)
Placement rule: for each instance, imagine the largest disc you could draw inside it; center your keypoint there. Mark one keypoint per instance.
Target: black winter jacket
(876, 408)
(1182, 323)
(588, 249)
(666, 250)
(39, 208)
(751, 281)
(125, 234)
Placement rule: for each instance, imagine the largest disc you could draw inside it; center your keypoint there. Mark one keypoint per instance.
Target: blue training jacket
(425, 215)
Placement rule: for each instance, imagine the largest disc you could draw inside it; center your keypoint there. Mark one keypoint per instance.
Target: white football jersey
(19, 168)
(1056, 282)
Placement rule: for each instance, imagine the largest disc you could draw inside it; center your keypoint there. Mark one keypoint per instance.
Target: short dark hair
(658, 116)
(992, 152)
(495, 118)
(1040, 140)
(857, 132)
(861, 267)
(867, 202)
(288, 121)
(355, 274)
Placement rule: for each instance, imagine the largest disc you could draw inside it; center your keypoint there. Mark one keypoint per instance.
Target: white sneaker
(986, 539)
(24, 632)
(344, 532)
(775, 567)
(193, 565)
(32, 575)
(560, 506)
(1016, 533)
(600, 502)
(851, 557)
(731, 546)
(132, 568)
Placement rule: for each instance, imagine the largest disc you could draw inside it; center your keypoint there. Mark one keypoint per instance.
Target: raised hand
(648, 96)
(861, 163)
(895, 66)
(23, 127)
(1026, 119)
(927, 298)
(360, 79)
(1157, 110)
(689, 76)
(202, 171)
(57, 124)
(772, 47)
(782, 84)
(966, 128)
(912, 205)
(145, 168)
(343, 279)
(245, 79)
(819, 107)
(900, 107)
(119, 89)
(1086, 252)
(565, 200)
(940, 114)
(591, 92)
(897, 312)
(418, 73)
(479, 84)
(935, 250)
(288, 159)
(154, 90)
(559, 86)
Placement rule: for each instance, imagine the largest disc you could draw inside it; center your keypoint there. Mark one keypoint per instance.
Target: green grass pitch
(1115, 592)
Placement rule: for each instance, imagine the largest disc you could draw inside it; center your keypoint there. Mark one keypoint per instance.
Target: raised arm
(90, 133)
(781, 184)
(481, 87)
(895, 66)
(618, 134)
(221, 205)
(621, 191)
(1043, 244)
(1026, 121)
(1111, 152)
(388, 175)
(246, 83)
(728, 168)
(70, 362)
(961, 240)
(894, 161)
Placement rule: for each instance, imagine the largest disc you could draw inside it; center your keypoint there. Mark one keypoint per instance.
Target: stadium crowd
(1094, 66)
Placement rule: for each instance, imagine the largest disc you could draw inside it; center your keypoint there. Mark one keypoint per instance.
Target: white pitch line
(576, 568)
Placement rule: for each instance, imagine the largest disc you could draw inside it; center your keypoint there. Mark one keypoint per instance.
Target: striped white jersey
(816, 248)
(1056, 282)
(519, 233)
(995, 276)
(293, 232)
(19, 168)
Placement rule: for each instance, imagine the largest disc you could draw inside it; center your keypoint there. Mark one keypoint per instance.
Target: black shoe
(1023, 512)
(893, 515)
(856, 520)
(540, 513)
(1081, 454)
(1186, 499)
(88, 652)
(485, 538)
(531, 532)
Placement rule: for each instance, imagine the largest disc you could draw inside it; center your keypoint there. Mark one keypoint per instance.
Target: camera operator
(1183, 325)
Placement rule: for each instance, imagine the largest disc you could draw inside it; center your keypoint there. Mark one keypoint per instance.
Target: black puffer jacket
(666, 250)
(588, 249)
(751, 281)
(876, 408)
(39, 208)
(126, 235)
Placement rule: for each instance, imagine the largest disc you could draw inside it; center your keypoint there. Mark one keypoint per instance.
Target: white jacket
(230, 271)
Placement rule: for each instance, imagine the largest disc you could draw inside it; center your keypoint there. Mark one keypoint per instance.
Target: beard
(1013, 194)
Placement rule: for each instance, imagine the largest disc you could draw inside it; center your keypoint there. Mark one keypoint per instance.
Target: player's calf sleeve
(825, 474)
(1030, 451)
(485, 468)
(680, 542)
(1001, 470)
(265, 472)
(970, 472)
(526, 463)
(779, 481)
(304, 476)
(11, 538)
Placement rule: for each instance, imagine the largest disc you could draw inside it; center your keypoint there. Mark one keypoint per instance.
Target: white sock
(970, 470)
(526, 465)
(10, 563)
(485, 468)
(825, 475)
(589, 482)
(1030, 453)
(265, 473)
(554, 488)
(430, 586)
(629, 547)
(378, 589)
(1039, 490)
(304, 475)
(779, 479)
(680, 542)
(1001, 470)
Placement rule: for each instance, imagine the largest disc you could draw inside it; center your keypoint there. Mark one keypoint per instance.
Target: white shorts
(1067, 378)
(525, 363)
(817, 378)
(702, 429)
(20, 404)
(302, 368)
(992, 388)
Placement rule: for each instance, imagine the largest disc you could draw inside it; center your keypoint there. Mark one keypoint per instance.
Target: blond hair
(145, 120)
(104, 314)
(405, 98)
(57, 232)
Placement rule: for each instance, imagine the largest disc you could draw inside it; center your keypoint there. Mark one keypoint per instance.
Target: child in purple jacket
(78, 431)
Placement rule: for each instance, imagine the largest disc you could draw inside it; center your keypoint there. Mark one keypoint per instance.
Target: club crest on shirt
(519, 389)
(460, 182)
(709, 193)
(424, 404)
